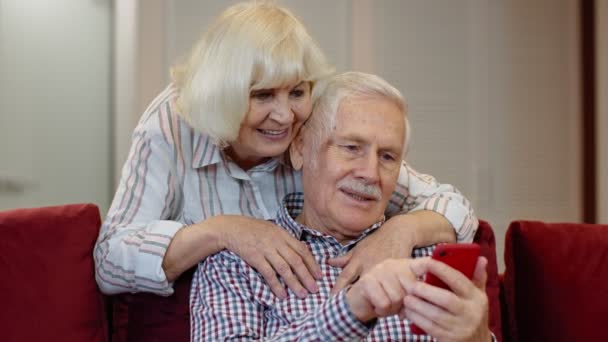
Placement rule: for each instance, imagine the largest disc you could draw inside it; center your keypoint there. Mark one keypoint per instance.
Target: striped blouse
(175, 176)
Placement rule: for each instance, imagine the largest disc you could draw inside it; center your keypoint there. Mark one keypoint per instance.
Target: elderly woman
(207, 168)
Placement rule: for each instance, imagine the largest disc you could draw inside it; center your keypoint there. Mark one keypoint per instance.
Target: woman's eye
(297, 93)
(261, 95)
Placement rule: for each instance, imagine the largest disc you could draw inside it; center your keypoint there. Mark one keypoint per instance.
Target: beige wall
(492, 87)
(55, 102)
(124, 87)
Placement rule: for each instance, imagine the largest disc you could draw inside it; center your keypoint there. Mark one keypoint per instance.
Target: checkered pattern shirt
(231, 300)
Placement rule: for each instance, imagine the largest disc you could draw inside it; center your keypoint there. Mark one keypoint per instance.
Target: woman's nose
(282, 111)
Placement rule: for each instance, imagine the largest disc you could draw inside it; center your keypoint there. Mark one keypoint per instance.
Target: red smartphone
(460, 256)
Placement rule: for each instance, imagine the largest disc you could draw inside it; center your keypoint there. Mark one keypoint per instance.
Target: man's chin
(360, 213)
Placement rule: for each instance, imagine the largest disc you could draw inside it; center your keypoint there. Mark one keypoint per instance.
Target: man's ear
(296, 150)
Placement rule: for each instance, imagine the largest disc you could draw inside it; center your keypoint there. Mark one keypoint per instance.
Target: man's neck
(312, 221)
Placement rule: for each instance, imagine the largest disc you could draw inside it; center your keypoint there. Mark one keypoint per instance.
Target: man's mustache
(358, 187)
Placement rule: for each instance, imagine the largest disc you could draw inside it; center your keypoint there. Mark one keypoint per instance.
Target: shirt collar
(204, 151)
(292, 207)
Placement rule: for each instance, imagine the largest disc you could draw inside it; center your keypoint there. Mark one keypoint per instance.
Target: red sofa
(48, 282)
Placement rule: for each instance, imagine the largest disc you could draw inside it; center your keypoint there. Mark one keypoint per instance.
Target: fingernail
(302, 294)
(314, 288)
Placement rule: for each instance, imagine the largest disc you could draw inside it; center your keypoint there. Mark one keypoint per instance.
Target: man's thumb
(480, 276)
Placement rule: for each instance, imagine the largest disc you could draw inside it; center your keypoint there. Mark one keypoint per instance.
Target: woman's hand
(385, 243)
(396, 238)
(271, 251)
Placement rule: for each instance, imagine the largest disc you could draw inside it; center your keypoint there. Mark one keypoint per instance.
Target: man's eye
(351, 148)
(388, 157)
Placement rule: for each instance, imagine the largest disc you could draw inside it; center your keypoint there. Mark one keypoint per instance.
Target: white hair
(250, 46)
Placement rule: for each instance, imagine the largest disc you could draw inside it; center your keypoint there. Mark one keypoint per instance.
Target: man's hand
(381, 291)
(461, 315)
(396, 238)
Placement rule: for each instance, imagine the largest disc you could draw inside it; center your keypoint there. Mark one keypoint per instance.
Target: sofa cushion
(555, 281)
(146, 317)
(47, 278)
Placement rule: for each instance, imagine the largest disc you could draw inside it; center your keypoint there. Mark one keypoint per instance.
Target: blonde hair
(330, 92)
(250, 46)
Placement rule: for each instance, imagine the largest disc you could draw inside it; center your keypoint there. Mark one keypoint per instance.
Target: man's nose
(282, 111)
(369, 168)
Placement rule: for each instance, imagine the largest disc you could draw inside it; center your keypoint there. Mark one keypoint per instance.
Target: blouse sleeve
(416, 191)
(142, 221)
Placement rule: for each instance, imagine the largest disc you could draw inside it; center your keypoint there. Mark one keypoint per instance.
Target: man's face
(348, 187)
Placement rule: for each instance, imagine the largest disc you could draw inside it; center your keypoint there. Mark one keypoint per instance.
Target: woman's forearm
(259, 243)
(192, 244)
(423, 228)
(421, 194)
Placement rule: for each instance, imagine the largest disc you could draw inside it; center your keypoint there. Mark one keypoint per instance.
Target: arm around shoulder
(446, 208)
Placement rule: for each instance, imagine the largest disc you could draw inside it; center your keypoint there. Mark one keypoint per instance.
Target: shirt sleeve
(139, 226)
(416, 191)
(224, 307)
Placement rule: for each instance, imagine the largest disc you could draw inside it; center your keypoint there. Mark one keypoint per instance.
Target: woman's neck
(243, 161)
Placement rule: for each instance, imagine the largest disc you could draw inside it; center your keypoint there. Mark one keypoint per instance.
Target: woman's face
(275, 115)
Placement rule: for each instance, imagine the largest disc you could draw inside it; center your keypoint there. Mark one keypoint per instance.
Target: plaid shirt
(230, 300)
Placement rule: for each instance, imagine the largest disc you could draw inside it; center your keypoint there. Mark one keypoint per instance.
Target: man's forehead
(358, 117)
(366, 109)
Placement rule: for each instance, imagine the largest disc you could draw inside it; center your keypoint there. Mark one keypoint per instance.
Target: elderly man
(350, 153)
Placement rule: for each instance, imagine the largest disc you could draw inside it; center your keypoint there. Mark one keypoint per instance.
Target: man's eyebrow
(351, 137)
(357, 138)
